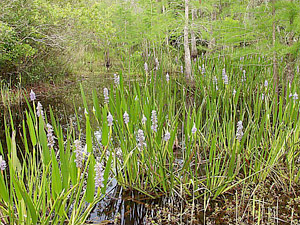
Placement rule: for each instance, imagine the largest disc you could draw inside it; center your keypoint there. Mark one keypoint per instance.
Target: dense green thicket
(41, 38)
(31, 41)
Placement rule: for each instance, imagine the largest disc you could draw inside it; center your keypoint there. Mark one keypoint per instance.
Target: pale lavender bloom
(241, 68)
(234, 92)
(167, 77)
(266, 83)
(281, 58)
(194, 129)
(176, 59)
(226, 79)
(50, 137)
(298, 69)
(244, 76)
(2, 163)
(141, 139)
(99, 175)
(116, 79)
(291, 95)
(146, 67)
(239, 132)
(32, 95)
(144, 119)
(110, 119)
(156, 63)
(262, 96)
(199, 68)
(194, 59)
(79, 154)
(167, 136)
(181, 69)
(217, 88)
(126, 117)
(223, 73)
(215, 80)
(39, 110)
(136, 98)
(295, 96)
(105, 94)
(154, 121)
(203, 70)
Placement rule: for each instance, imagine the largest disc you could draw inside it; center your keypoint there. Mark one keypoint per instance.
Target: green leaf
(106, 173)
(27, 200)
(90, 188)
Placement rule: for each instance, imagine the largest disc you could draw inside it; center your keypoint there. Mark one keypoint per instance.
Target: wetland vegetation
(150, 112)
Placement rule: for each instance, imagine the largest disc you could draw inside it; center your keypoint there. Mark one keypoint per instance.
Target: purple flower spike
(78, 154)
(239, 132)
(194, 129)
(32, 95)
(126, 117)
(39, 110)
(50, 136)
(99, 175)
(105, 94)
(2, 163)
(154, 121)
(110, 120)
(167, 136)
(167, 77)
(141, 139)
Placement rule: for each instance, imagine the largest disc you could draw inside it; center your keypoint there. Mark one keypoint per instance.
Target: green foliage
(30, 41)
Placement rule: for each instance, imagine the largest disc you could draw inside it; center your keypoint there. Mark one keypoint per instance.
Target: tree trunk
(194, 52)
(187, 55)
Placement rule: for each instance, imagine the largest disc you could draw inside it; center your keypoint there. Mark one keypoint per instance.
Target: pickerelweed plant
(52, 180)
(198, 139)
(159, 135)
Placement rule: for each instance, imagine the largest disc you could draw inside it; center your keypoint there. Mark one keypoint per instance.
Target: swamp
(149, 112)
